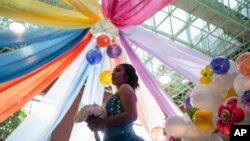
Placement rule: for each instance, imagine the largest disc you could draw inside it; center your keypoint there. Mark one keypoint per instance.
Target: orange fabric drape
(15, 93)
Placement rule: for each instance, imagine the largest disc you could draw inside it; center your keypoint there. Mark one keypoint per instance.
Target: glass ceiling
(213, 27)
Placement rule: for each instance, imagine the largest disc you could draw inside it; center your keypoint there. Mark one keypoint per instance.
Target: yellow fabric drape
(40, 13)
(90, 8)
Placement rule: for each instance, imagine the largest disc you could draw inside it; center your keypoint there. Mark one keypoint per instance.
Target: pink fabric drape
(123, 13)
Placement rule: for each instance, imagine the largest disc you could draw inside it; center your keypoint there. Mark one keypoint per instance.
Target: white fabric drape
(47, 114)
(93, 93)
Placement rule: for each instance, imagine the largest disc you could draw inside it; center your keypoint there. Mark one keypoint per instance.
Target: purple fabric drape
(123, 13)
(165, 102)
(183, 60)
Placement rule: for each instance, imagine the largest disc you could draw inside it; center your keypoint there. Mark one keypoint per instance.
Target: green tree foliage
(10, 124)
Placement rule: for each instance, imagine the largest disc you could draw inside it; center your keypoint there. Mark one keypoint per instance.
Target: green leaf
(190, 112)
(11, 123)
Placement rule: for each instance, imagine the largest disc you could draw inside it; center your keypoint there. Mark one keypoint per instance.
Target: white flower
(89, 110)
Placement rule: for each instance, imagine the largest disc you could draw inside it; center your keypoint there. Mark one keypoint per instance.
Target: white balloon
(232, 68)
(241, 84)
(206, 97)
(195, 134)
(224, 81)
(216, 137)
(175, 126)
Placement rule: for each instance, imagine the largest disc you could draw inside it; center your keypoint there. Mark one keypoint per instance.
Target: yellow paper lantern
(105, 77)
(203, 119)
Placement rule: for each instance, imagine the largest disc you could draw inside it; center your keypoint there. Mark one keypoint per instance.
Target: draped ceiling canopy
(57, 49)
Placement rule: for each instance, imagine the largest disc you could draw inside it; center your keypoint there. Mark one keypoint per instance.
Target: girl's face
(118, 76)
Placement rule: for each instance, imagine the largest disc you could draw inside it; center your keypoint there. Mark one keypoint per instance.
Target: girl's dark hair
(131, 75)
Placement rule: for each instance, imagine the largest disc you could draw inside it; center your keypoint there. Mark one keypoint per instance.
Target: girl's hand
(95, 122)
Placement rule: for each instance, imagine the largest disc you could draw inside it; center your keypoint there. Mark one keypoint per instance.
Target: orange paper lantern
(103, 41)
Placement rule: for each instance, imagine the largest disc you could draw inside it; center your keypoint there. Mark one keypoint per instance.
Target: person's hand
(95, 122)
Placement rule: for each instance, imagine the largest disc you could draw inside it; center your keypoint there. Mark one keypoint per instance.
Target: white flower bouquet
(90, 110)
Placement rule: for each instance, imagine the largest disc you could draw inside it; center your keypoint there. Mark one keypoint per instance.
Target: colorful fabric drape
(15, 93)
(93, 93)
(165, 102)
(124, 13)
(55, 104)
(146, 104)
(189, 61)
(25, 60)
(90, 8)
(33, 35)
(40, 13)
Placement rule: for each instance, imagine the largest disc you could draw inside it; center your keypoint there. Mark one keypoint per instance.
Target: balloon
(175, 126)
(220, 65)
(241, 84)
(105, 78)
(94, 56)
(187, 103)
(243, 64)
(103, 41)
(216, 137)
(206, 97)
(245, 100)
(114, 51)
(171, 138)
(232, 68)
(237, 114)
(230, 93)
(203, 119)
(157, 134)
(190, 112)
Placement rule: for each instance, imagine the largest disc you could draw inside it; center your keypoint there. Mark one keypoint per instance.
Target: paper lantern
(243, 64)
(114, 51)
(105, 77)
(103, 41)
(94, 56)
(220, 65)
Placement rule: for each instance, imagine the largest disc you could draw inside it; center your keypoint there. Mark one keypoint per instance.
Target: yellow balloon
(105, 78)
(203, 119)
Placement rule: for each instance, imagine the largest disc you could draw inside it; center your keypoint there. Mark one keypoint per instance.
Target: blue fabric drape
(8, 38)
(25, 60)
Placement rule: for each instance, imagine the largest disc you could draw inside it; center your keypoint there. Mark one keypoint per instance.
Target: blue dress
(118, 133)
